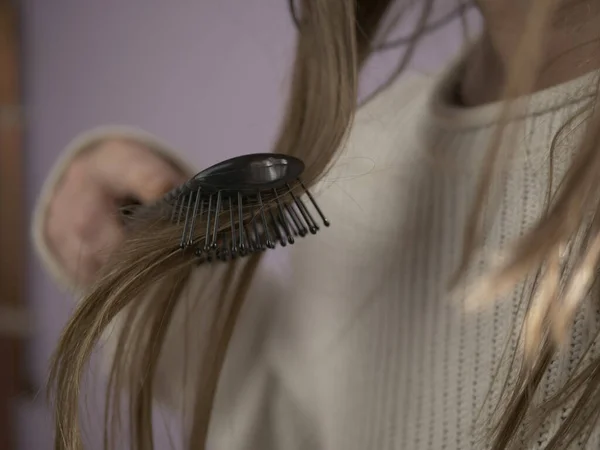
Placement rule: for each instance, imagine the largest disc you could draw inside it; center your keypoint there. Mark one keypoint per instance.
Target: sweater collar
(447, 114)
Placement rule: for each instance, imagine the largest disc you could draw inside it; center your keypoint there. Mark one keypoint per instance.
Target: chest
(364, 348)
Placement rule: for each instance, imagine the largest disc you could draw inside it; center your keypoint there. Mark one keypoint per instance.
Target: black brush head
(240, 206)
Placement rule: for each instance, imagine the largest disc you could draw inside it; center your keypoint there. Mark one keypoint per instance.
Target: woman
(364, 346)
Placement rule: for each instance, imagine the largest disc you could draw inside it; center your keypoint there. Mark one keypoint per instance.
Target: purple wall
(208, 77)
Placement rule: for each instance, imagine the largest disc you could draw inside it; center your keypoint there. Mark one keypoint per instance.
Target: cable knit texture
(359, 346)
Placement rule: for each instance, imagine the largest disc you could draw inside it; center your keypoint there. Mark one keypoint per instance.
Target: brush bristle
(220, 225)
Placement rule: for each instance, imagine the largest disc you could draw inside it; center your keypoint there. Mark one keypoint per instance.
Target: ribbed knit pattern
(365, 348)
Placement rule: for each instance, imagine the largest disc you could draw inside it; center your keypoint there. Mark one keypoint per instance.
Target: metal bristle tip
(242, 206)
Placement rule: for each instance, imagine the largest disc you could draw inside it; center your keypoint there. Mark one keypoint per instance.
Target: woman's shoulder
(362, 193)
(395, 97)
(391, 116)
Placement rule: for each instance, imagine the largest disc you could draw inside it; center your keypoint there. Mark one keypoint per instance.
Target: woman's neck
(570, 50)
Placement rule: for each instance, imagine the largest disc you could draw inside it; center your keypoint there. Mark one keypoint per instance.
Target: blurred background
(209, 77)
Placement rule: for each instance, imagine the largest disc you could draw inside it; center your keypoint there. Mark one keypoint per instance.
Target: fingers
(82, 229)
(129, 169)
(83, 225)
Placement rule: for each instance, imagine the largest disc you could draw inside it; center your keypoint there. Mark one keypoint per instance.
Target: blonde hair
(145, 279)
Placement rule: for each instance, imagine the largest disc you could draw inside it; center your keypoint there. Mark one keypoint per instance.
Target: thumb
(129, 169)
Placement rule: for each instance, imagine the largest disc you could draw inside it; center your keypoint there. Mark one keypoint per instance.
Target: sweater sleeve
(80, 144)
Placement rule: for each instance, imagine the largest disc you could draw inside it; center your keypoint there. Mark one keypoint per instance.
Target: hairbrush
(246, 204)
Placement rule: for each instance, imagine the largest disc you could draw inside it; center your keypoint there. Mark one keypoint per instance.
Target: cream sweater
(355, 345)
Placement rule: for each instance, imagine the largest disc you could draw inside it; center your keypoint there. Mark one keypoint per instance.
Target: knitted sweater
(356, 344)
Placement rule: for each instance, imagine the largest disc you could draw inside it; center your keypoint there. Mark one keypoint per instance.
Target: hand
(83, 223)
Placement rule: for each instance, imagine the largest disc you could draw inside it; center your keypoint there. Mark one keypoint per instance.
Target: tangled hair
(145, 280)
